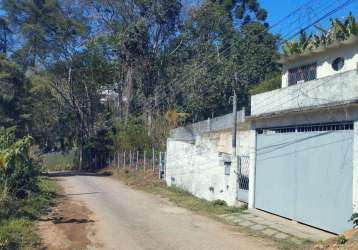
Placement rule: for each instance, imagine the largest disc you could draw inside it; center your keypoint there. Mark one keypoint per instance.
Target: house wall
(330, 90)
(198, 166)
(324, 62)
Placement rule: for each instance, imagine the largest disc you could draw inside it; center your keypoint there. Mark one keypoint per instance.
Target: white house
(199, 159)
(304, 139)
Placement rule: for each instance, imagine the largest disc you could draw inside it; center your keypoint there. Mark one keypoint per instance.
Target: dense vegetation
(23, 194)
(94, 76)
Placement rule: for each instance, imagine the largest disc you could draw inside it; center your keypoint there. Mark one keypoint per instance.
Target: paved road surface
(128, 219)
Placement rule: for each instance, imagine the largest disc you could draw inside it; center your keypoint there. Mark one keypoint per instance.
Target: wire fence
(140, 160)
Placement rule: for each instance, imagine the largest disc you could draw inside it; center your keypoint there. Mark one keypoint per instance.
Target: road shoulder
(69, 225)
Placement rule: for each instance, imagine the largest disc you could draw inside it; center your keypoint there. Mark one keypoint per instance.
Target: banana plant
(297, 47)
(351, 24)
(339, 31)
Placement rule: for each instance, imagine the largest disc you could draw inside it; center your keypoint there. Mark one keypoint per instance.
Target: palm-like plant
(339, 31)
(297, 47)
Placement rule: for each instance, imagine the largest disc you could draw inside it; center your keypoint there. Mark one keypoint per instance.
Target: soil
(337, 243)
(69, 226)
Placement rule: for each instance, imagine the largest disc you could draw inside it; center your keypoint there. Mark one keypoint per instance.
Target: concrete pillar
(252, 168)
(355, 168)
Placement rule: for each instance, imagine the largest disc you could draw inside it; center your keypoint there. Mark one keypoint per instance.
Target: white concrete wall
(331, 90)
(198, 168)
(324, 62)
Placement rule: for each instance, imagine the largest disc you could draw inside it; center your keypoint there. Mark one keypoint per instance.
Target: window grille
(308, 128)
(302, 74)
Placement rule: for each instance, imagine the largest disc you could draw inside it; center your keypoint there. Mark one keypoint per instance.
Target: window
(227, 166)
(338, 64)
(302, 74)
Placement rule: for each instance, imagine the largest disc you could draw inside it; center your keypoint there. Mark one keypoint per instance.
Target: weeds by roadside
(17, 230)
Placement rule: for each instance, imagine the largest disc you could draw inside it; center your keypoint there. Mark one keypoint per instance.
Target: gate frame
(243, 194)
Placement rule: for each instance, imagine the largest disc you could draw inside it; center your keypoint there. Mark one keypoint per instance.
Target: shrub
(17, 234)
(341, 240)
(18, 170)
(219, 203)
(354, 219)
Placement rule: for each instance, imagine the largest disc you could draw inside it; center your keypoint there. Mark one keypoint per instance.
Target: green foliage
(16, 216)
(46, 26)
(14, 97)
(184, 199)
(341, 240)
(338, 31)
(271, 83)
(219, 203)
(17, 234)
(132, 63)
(98, 150)
(354, 219)
(133, 136)
(18, 170)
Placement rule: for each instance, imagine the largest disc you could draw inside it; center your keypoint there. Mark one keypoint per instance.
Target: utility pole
(234, 116)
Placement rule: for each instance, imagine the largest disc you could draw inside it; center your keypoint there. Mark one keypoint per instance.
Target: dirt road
(130, 219)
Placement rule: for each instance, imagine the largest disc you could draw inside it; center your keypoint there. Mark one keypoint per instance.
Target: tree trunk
(128, 92)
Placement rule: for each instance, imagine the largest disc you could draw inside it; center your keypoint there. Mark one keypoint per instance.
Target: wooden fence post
(124, 159)
(153, 158)
(144, 160)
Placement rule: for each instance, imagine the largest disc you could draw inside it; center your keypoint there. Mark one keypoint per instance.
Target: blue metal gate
(306, 175)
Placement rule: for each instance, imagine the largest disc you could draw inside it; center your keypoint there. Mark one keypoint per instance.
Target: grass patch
(185, 199)
(17, 230)
(58, 161)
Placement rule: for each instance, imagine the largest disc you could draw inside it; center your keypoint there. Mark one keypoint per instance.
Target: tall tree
(218, 39)
(139, 31)
(15, 100)
(45, 26)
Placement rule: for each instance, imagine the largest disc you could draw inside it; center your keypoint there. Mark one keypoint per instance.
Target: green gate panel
(307, 177)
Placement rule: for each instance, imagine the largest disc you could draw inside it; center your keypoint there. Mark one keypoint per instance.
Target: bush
(219, 203)
(341, 240)
(16, 216)
(18, 170)
(354, 219)
(17, 234)
(133, 136)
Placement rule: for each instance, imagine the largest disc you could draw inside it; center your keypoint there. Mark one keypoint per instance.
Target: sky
(311, 11)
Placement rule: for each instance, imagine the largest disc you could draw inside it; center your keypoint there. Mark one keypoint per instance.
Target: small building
(199, 159)
(304, 165)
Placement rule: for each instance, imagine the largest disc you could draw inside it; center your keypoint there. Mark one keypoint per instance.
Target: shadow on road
(62, 220)
(75, 173)
(83, 193)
